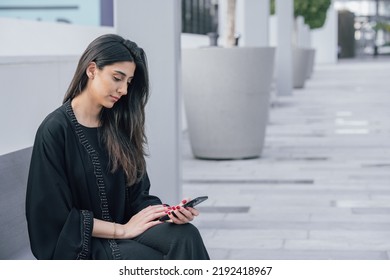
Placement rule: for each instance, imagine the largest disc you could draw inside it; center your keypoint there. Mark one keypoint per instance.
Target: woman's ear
(91, 70)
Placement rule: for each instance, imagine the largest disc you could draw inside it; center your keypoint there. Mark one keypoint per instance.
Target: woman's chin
(109, 105)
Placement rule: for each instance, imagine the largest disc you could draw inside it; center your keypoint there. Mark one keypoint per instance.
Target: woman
(88, 189)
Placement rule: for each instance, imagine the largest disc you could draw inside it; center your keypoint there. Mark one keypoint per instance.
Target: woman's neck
(87, 113)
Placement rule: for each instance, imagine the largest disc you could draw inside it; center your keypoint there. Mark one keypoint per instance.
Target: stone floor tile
(218, 254)
(364, 236)
(356, 218)
(331, 244)
(240, 242)
(307, 255)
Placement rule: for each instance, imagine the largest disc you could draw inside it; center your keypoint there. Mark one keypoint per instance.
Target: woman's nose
(123, 89)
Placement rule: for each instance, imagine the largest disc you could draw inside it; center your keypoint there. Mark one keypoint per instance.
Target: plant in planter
(314, 15)
(226, 95)
(313, 12)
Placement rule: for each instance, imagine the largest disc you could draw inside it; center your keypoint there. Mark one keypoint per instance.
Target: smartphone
(195, 201)
(190, 203)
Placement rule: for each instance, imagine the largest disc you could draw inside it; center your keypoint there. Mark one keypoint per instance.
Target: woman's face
(106, 86)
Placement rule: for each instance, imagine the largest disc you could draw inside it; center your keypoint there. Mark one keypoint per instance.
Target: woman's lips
(115, 98)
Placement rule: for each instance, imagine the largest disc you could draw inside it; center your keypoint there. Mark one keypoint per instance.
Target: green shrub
(313, 11)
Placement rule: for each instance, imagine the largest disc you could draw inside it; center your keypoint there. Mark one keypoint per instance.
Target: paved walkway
(321, 189)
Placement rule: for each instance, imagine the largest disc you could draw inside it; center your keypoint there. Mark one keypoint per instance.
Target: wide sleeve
(56, 229)
(138, 197)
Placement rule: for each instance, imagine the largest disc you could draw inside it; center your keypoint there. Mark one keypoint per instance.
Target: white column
(285, 23)
(273, 31)
(302, 33)
(299, 25)
(156, 26)
(252, 22)
(307, 36)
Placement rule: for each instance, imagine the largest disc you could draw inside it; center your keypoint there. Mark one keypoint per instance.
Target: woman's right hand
(142, 221)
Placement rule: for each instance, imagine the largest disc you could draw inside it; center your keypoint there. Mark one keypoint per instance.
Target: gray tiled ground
(321, 189)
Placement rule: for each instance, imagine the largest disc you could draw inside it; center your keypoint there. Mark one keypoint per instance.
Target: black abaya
(69, 184)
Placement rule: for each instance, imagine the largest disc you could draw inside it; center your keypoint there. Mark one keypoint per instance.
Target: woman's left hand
(183, 214)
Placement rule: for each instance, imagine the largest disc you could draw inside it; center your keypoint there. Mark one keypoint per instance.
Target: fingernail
(166, 212)
(166, 205)
(169, 213)
(184, 201)
(178, 207)
(173, 208)
(169, 208)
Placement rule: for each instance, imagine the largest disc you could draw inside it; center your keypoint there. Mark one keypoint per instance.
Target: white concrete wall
(28, 38)
(31, 87)
(37, 62)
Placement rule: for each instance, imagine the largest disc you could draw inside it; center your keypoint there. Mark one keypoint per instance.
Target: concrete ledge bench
(14, 241)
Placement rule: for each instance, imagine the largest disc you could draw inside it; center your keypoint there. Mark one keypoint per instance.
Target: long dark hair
(123, 126)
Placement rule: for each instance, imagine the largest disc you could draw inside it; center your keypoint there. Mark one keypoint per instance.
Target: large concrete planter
(226, 97)
(301, 61)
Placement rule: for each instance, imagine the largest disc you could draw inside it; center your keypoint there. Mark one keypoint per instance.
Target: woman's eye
(117, 79)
